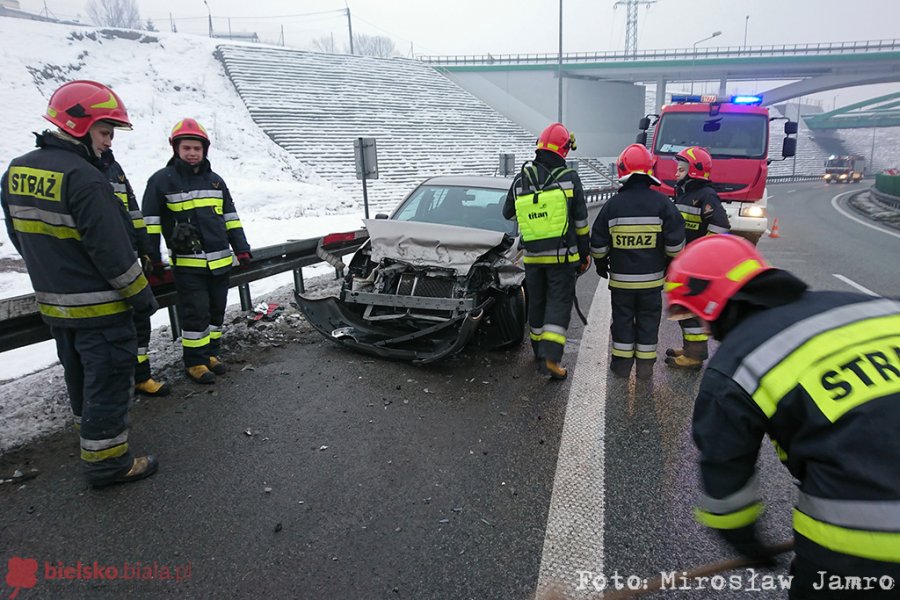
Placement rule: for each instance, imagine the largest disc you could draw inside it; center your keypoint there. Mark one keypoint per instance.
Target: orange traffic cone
(774, 233)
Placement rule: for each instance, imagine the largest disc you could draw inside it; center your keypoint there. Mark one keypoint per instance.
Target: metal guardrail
(21, 323)
(599, 194)
(792, 178)
(888, 199)
(826, 48)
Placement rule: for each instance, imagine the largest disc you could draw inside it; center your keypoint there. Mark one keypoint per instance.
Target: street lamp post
(746, 22)
(694, 55)
(871, 167)
(210, 18)
(559, 85)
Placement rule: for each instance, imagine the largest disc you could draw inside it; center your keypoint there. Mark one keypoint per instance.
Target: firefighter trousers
(635, 324)
(99, 374)
(695, 339)
(202, 296)
(142, 365)
(551, 293)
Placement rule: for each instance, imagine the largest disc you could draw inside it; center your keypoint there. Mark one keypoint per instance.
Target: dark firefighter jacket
(701, 208)
(114, 173)
(555, 209)
(639, 230)
(62, 217)
(177, 195)
(819, 373)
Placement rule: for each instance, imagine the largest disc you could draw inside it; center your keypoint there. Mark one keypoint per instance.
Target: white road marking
(573, 540)
(791, 191)
(852, 283)
(837, 207)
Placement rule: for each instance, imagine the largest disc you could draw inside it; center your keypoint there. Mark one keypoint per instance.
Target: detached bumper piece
(396, 340)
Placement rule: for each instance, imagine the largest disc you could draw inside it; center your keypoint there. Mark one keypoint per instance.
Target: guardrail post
(175, 322)
(244, 293)
(299, 287)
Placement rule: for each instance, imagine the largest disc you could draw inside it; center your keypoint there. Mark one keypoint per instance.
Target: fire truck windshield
(837, 163)
(726, 135)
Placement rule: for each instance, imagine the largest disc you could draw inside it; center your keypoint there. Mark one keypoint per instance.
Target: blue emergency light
(750, 100)
(680, 98)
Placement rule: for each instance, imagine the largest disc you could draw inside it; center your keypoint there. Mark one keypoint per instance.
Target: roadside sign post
(507, 163)
(366, 164)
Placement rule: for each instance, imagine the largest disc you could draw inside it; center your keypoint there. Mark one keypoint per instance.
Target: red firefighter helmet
(702, 279)
(699, 162)
(189, 128)
(77, 105)
(635, 160)
(556, 138)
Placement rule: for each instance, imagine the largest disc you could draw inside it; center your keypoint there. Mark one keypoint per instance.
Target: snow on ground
(37, 404)
(161, 78)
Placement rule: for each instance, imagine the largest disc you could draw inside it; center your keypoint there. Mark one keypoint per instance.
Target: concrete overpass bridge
(603, 103)
(883, 111)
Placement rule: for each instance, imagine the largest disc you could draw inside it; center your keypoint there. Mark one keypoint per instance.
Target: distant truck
(844, 169)
(735, 131)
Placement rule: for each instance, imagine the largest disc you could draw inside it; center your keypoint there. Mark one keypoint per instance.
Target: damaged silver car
(444, 270)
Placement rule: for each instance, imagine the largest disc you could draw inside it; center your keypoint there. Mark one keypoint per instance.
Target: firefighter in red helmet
(703, 215)
(633, 238)
(189, 205)
(62, 217)
(547, 200)
(819, 374)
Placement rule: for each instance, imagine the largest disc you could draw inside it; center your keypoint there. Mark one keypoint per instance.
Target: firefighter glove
(244, 258)
(602, 266)
(146, 265)
(584, 265)
(746, 542)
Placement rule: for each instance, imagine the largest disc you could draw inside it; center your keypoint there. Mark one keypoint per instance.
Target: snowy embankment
(161, 78)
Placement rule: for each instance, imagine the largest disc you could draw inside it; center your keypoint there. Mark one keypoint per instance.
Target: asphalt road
(312, 472)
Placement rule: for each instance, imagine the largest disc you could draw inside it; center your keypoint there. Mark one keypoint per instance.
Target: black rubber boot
(644, 368)
(141, 468)
(621, 367)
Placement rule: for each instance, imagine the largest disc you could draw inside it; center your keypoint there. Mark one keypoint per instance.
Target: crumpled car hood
(429, 244)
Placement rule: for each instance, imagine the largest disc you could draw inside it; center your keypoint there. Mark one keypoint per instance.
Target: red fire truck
(735, 131)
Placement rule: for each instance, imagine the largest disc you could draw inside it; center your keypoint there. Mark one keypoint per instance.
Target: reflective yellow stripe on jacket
(197, 199)
(868, 529)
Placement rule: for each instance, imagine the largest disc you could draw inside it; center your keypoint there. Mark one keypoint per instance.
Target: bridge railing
(858, 47)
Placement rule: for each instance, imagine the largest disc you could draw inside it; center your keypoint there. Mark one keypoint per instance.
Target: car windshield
(726, 135)
(462, 206)
(837, 163)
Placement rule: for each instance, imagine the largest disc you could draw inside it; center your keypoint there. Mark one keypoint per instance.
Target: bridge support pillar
(660, 93)
(723, 87)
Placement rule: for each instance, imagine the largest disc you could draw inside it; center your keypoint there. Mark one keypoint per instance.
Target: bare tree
(114, 13)
(363, 45)
(324, 44)
(374, 45)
